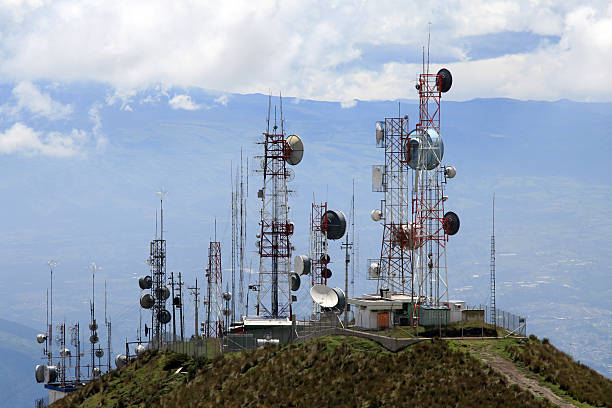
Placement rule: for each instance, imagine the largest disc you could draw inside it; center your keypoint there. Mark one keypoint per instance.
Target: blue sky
(103, 102)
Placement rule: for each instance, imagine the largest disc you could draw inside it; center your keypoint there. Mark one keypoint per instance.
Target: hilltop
(346, 371)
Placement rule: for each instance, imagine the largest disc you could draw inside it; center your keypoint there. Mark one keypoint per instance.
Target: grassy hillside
(331, 371)
(559, 369)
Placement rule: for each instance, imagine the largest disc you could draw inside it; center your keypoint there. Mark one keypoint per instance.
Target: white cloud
(25, 140)
(348, 104)
(30, 98)
(96, 119)
(222, 100)
(305, 49)
(183, 102)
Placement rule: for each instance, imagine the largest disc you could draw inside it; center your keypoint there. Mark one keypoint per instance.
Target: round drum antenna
(445, 81)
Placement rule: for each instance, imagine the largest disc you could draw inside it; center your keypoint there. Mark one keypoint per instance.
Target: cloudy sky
(326, 50)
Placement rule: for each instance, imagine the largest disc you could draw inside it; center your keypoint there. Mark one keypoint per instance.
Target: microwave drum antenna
(336, 224)
(445, 81)
(295, 150)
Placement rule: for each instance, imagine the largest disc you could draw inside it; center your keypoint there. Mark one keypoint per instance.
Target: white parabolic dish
(324, 296)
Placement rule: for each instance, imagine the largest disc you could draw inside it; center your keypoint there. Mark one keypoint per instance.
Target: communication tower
(159, 291)
(492, 283)
(214, 300)
(93, 324)
(274, 294)
(416, 227)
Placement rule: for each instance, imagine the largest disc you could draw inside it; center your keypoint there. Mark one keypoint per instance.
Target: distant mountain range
(19, 355)
(546, 162)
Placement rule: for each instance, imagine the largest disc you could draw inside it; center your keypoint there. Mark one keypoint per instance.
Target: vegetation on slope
(556, 367)
(330, 371)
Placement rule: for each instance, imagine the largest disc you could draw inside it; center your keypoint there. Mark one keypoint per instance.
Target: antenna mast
(274, 237)
(492, 287)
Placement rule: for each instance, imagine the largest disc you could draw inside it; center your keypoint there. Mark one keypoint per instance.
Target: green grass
(571, 378)
(329, 371)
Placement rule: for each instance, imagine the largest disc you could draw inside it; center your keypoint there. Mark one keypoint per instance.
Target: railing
(511, 322)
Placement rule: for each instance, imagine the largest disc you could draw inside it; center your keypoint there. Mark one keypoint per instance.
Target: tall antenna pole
(173, 307)
(107, 322)
(493, 306)
(234, 243)
(196, 293)
(51, 264)
(180, 288)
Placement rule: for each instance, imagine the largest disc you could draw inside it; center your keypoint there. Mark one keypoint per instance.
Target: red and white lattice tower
(274, 291)
(431, 225)
(318, 248)
(416, 228)
(214, 305)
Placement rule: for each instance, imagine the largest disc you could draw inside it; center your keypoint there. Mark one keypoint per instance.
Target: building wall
(56, 395)
(473, 315)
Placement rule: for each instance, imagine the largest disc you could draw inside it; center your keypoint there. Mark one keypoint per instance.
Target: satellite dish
(295, 150)
(325, 258)
(120, 360)
(65, 352)
(94, 338)
(341, 299)
(295, 282)
(147, 301)
(324, 296)
(450, 223)
(40, 373)
(96, 372)
(326, 273)
(445, 80)
(163, 316)
(40, 338)
(331, 298)
(227, 295)
(301, 264)
(99, 353)
(380, 133)
(336, 224)
(374, 270)
(50, 374)
(425, 149)
(140, 349)
(162, 293)
(176, 301)
(145, 282)
(450, 171)
(376, 215)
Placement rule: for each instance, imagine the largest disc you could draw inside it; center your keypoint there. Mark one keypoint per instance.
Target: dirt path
(515, 376)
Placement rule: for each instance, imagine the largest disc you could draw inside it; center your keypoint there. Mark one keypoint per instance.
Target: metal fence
(511, 322)
(195, 347)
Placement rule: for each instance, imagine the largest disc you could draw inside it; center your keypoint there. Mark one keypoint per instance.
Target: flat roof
(262, 321)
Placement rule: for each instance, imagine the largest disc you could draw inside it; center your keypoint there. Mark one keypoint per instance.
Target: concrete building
(378, 312)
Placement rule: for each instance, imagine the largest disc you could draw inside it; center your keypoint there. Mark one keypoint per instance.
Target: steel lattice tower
(318, 247)
(413, 251)
(214, 300)
(429, 252)
(157, 261)
(395, 253)
(492, 283)
(274, 295)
